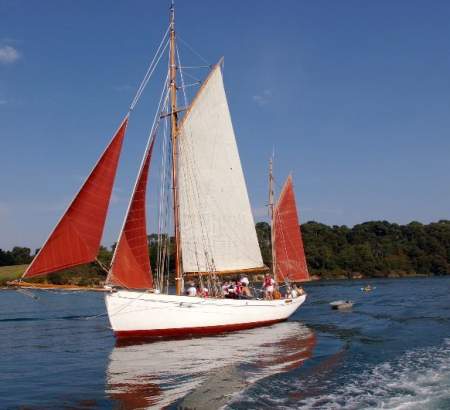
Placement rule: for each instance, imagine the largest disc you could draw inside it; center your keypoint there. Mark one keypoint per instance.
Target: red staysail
(289, 252)
(76, 238)
(130, 266)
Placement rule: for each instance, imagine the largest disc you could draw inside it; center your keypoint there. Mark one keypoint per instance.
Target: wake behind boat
(202, 182)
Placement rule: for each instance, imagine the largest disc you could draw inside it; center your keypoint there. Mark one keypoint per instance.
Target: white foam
(419, 379)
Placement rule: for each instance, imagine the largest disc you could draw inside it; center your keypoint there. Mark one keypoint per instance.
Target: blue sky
(353, 95)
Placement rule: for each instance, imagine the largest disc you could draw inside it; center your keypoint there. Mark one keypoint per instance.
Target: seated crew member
(231, 292)
(289, 292)
(246, 292)
(191, 290)
(238, 289)
(299, 290)
(225, 287)
(204, 292)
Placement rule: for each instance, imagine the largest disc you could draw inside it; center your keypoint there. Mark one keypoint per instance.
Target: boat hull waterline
(143, 314)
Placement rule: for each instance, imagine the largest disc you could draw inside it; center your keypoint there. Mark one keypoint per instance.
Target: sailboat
(212, 222)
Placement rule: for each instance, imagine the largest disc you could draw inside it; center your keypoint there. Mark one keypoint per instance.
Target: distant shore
(92, 280)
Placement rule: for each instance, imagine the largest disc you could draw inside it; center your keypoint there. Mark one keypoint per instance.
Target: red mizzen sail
(76, 238)
(130, 266)
(289, 252)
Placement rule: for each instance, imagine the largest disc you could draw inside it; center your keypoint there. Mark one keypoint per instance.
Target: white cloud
(263, 98)
(8, 55)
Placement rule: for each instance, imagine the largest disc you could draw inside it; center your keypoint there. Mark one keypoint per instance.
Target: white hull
(140, 314)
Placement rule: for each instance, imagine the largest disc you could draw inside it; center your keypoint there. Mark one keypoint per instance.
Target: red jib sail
(130, 266)
(290, 260)
(76, 238)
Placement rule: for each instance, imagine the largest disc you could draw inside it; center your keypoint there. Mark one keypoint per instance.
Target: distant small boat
(341, 304)
(368, 288)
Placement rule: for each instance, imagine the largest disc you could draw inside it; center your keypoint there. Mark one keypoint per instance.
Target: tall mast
(271, 212)
(174, 130)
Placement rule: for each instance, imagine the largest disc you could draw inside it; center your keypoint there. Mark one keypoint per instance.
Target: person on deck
(204, 292)
(191, 290)
(231, 292)
(290, 293)
(269, 286)
(238, 289)
(299, 290)
(246, 293)
(225, 287)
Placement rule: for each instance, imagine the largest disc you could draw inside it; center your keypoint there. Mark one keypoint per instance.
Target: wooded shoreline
(376, 249)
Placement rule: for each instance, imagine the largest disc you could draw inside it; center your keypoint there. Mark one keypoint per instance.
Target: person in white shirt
(225, 287)
(192, 290)
(246, 293)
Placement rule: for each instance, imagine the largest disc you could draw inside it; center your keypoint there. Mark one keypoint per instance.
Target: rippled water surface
(392, 350)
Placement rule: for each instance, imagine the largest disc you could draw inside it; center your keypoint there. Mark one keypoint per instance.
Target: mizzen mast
(271, 213)
(174, 130)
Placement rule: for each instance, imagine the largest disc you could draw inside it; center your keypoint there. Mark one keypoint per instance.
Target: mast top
(172, 12)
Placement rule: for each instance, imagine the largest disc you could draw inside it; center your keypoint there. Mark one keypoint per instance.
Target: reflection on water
(204, 372)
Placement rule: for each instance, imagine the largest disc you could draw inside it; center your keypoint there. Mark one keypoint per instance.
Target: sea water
(392, 350)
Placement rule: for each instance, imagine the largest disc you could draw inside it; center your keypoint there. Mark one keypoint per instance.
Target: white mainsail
(216, 223)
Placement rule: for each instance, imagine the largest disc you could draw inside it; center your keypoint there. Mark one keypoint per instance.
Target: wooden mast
(174, 130)
(271, 213)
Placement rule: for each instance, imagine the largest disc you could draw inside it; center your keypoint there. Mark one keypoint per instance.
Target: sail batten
(216, 224)
(76, 238)
(289, 251)
(130, 265)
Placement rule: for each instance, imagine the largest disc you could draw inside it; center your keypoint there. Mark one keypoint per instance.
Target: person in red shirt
(269, 286)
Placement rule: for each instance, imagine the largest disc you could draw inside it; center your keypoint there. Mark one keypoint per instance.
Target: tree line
(370, 249)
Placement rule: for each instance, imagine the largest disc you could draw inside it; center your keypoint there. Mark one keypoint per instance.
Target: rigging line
(181, 144)
(149, 139)
(192, 50)
(195, 191)
(194, 66)
(192, 77)
(181, 77)
(163, 206)
(164, 211)
(145, 82)
(161, 201)
(162, 218)
(206, 242)
(168, 215)
(189, 85)
(141, 86)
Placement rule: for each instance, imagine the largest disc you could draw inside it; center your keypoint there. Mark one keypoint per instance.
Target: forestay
(216, 224)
